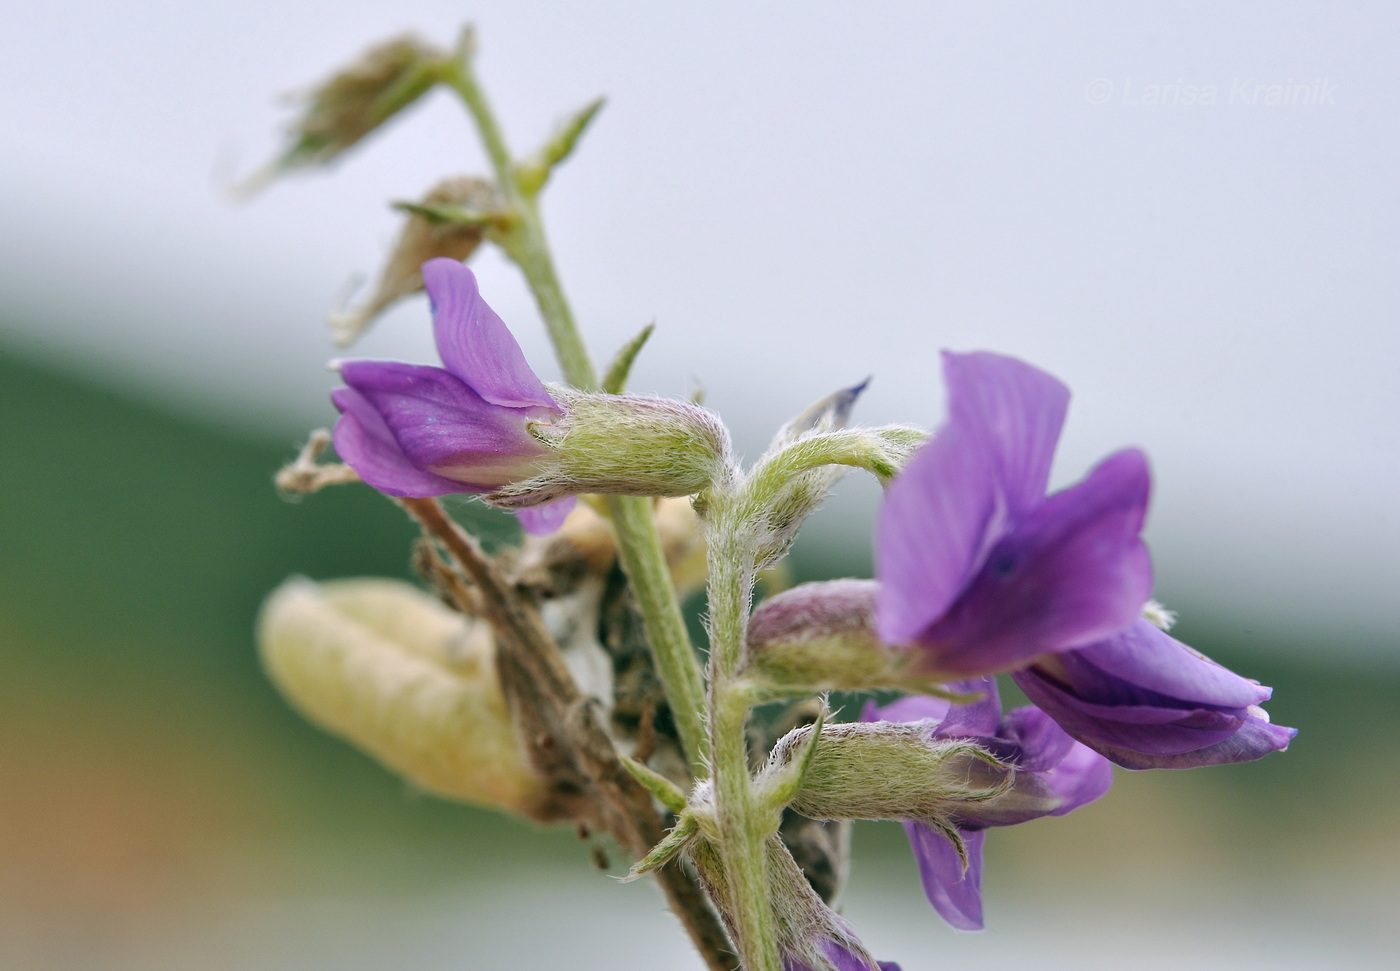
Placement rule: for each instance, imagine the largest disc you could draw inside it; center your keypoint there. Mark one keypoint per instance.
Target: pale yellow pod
(395, 673)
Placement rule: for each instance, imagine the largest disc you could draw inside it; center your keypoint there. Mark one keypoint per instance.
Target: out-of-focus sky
(799, 195)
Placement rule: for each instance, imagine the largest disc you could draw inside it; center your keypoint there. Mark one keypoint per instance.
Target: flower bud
(821, 637)
(421, 239)
(883, 770)
(802, 494)
(401, 677)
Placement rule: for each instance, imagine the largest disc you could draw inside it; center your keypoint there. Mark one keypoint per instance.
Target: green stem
(743, 822)
(524, 242)
(642, 558)
(638, 543)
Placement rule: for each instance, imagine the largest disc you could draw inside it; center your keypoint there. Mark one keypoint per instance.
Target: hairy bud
(821, 637)
(883, 770)
(398, 675)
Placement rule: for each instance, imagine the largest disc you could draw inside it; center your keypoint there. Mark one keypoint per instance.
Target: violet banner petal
(445, 427)
(475, 343)
(546, 518)
(940, 516)
(1155, 661)
(366, 444)
(955, 894)
(1075, 571)
(1015, 413)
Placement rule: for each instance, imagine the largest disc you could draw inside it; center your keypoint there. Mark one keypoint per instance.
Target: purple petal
(1041, 743)
(445, 427)
(1075, 571)
(1082, 776)
(977, 719)
(1149, 729)
(1015, 413)
(475, 344)
(364, 441)
(912, 708)
(1149, 737)
(955, 894)
(547, 518)
(1153, 660)
(940, 516)
(843, 958)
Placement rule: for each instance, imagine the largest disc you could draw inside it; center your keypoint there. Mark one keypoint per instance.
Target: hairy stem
(743, 822)
(676, 663)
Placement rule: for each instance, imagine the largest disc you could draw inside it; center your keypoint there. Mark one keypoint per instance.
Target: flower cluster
(979, 572)
(566, 683)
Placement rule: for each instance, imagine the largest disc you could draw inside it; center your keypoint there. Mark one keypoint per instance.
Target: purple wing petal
(1155, 661)
(364, 442)
(843, 958)
(1142, 729)
(445, 427)
(1041, 743)
(1082, 776)
(1256, 738)
(955, 894)
(977, 719)
(547, 518)
(913, 708)
(1074, 572)
(940, 516)
(1015, 413)
(475, 344)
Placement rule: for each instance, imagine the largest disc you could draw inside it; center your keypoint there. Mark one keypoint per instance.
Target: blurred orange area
(113, 822)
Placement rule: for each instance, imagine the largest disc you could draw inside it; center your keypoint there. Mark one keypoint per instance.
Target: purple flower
(842, 958)
(1053, 776)
(416, 430)
(979, 569)
(1147, 701)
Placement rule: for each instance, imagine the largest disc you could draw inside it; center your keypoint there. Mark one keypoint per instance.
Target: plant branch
(576, 737)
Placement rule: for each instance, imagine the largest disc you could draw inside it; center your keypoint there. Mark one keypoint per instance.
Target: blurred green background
(161, 807)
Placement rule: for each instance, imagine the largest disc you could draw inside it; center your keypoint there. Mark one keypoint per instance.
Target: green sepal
(534, 172)
(785, 788)
(657, 784)
(680, 836)
(621, 367)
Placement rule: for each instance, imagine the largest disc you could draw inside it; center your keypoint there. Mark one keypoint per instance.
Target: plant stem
(742, 823)
(638, 542)
(524, 242)
(642, 558)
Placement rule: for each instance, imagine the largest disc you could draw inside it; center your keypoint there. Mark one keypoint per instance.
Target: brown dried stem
(565, 734)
